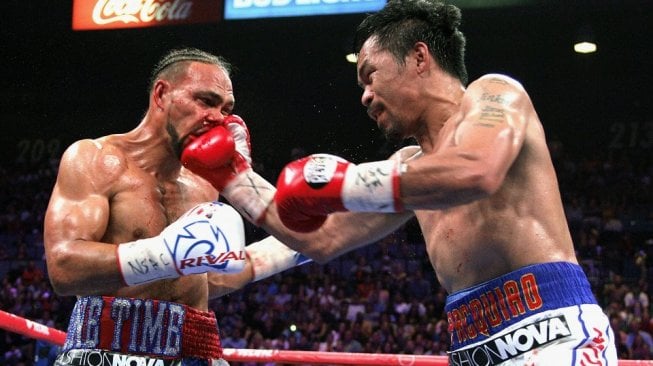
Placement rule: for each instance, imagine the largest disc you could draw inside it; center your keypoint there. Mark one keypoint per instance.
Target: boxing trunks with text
(543, 314)
(109, 331)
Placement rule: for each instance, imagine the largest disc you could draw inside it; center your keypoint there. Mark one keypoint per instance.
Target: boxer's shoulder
(95, 161)
(90, 150)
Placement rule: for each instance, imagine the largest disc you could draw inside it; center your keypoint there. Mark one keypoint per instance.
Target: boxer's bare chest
(141, 208)
(145, 209)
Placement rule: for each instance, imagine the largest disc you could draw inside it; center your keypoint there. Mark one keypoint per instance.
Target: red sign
(112, 14)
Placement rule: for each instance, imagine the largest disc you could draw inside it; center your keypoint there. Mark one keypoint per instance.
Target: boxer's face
(199, 100)
(388, 90)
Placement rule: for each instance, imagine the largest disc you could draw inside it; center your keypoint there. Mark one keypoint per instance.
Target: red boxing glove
(218, 156)
(209, 155)
(310, 188)
(226, 163)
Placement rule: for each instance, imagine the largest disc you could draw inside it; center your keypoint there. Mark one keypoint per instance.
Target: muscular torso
(141, 206)
(521, 224)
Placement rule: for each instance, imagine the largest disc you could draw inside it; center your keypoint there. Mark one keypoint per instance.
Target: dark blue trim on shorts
(477, 313)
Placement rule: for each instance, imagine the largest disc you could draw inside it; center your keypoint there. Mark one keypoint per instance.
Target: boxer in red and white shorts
(113, 330)
(142, 241)
(543, 314)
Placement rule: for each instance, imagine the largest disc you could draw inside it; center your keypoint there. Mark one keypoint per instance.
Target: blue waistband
(476, 313)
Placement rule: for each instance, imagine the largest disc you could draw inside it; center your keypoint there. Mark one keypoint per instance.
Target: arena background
(294, 87)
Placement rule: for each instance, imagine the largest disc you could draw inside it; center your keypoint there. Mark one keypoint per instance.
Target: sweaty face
(387, 90)
(199, 99)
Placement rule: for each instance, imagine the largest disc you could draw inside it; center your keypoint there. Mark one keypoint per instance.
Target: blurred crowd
(383, 298)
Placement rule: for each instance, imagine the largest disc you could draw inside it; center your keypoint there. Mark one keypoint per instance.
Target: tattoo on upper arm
(494, 98)
(492, 114)
(490, 117)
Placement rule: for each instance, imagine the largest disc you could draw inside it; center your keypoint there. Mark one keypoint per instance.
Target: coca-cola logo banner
(112, 14)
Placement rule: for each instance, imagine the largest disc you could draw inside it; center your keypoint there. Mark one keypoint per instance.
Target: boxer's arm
(223, 284)
(265, 258)
(474, 160)
(311, 188)
(341, 233)
(75, 221)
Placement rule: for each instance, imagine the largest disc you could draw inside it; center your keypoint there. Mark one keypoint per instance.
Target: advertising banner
(249, 9)
(112, 14)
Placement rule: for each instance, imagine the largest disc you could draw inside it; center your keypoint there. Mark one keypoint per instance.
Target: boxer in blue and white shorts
(543, 314)
(480, 181)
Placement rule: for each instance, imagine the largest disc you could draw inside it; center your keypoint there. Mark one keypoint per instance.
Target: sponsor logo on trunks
(515, 343)
(104, 358)
(487, 312)
(129, 326)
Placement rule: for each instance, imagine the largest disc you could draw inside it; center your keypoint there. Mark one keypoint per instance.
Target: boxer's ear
(421, 56)
(159, 93)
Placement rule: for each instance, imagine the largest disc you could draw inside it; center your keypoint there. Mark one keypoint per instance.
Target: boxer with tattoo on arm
(480, 181)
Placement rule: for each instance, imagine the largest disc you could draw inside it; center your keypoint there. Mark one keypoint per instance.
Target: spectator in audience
(32, 274)
(640, 349)
(636, 300)
(615, 290)
(636, 336)
(234, 339)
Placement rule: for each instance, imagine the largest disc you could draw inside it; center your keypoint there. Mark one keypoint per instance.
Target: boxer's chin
(393, 135)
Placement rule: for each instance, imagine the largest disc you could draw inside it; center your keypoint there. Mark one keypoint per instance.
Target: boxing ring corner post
(28, 328)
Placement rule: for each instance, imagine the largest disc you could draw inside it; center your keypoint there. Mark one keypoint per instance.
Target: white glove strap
(270, 256)
(372, 187)
(145, 260)
(250, 194)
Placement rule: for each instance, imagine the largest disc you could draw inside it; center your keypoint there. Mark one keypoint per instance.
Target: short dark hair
(402, 23)
(177, 57)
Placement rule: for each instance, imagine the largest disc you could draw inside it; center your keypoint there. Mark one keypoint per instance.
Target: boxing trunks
(110, 331)
(543, 314)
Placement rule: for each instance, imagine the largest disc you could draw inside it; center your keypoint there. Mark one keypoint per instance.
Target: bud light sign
(244, 9)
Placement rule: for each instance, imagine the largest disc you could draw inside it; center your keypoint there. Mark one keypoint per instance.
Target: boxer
(480, 182)
(141, 241)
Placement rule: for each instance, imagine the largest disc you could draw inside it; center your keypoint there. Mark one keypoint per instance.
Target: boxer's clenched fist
(310, 188)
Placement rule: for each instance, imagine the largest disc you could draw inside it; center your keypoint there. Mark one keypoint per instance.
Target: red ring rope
(39, 331)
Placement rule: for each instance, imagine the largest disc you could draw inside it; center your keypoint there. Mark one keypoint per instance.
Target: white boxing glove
(270, 256)
(208, 238)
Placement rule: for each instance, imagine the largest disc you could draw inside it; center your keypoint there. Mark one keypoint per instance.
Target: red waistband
(143, 326)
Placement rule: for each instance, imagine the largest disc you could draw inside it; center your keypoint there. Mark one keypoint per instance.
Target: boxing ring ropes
(28, 328)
